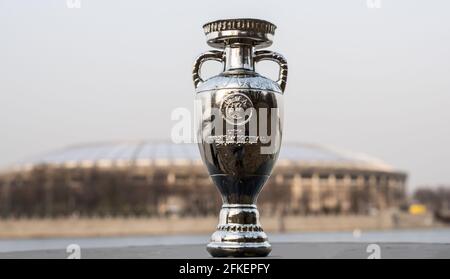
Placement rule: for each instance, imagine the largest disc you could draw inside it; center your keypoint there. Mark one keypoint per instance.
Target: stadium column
(333, 187)
(374, 195)
(316, 205)
(390, 190)
(360, 193)
(296, 191)
(344, 191)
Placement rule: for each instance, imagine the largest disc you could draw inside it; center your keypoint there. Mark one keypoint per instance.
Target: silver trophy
(239, 129)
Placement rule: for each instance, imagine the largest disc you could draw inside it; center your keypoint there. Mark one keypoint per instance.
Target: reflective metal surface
(240, 129)
(220, 32)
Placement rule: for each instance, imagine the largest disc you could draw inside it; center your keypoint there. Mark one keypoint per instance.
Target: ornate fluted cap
(220, 32)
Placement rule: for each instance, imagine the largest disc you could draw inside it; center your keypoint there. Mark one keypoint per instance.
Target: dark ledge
(280, 250)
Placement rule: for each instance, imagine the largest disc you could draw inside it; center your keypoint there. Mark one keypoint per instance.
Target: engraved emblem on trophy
(240, 129)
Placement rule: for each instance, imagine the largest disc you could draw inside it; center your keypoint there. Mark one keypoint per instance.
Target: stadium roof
(150, 152)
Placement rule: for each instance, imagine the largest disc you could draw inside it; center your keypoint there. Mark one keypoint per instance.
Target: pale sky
(371, 80)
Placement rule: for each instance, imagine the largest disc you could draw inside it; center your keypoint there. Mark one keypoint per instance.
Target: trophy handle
(215, 55)
(278, 58)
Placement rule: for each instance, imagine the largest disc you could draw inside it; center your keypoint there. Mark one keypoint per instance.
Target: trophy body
(239, 129)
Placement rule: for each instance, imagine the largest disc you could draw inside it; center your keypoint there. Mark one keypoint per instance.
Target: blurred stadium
(149, 178)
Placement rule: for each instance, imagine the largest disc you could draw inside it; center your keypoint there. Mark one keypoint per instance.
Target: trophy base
(221, 249)
(239, 233)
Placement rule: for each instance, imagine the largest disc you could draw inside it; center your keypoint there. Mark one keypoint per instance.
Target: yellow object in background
(417, 209)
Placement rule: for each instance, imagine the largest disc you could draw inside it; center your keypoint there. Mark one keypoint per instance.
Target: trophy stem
(239, 233)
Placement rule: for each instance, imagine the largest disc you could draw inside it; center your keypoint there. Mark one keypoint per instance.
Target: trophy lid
(259, 32)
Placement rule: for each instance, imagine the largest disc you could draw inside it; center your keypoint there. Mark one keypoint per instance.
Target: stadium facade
(148, 178)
